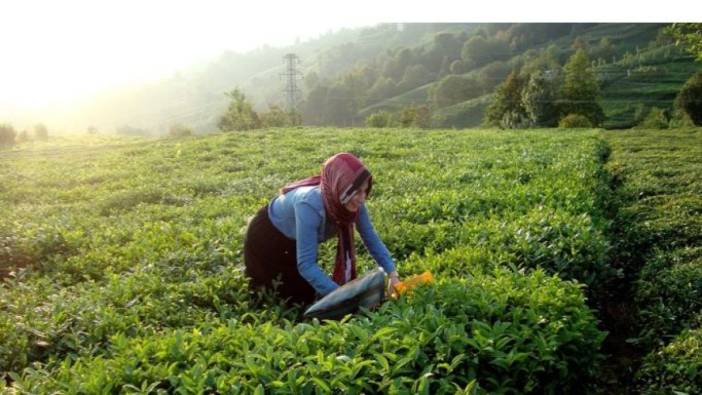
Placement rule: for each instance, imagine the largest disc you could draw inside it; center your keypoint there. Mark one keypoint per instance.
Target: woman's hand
(393, 280)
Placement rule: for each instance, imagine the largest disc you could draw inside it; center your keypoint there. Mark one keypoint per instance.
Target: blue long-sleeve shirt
(300, 216)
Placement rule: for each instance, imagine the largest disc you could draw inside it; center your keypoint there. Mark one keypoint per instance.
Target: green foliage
(479, 51)
(655, 119)
(276, 117)
(580, 89)
(413, 116)
(382, 88)
(381, 119)
(239, 115)
(7, 134)
(454, 89)
(676, 369)
(689, 99)
(441, 339)
(539, 99)
(414, 76)
(689, 35)
(669, 294)
(574, 121)
(660, 249)
(492, 74)
(462, 115)
(410, 116)
(604, 50)
(125, 265)
(507, 109)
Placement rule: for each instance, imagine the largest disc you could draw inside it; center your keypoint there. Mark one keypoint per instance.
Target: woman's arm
(307, 223)
(373, 243)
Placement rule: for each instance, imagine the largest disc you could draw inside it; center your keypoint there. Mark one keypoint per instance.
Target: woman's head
(346, 182)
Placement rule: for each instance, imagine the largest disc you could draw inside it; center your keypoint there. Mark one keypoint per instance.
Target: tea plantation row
(660, 242)
(123, 266)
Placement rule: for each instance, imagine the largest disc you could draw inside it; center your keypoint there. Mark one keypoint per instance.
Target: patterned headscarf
(341, 177)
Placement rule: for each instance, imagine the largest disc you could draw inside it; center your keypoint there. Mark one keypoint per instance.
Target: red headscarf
(341, 176)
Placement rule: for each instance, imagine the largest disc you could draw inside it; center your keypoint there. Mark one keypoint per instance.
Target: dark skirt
(271, 257)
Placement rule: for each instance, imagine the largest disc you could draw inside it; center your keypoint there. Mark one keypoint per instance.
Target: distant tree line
(450, 55)
(526, 87)
(9, 136)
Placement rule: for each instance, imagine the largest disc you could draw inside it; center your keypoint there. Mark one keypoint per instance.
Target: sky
(58, 51)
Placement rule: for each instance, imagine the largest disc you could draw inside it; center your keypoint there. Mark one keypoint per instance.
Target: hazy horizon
(59, 54)
(72, 50)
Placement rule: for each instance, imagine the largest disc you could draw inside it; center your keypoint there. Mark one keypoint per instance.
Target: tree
(383, 88)
(7, 134)
(580, 89)
(415, 76)
(689, 99)
(457, 67)
(605, 49)
(314, 107)
(41, 132)
(479, 51)
(506, 109)
(240, 115)
(445, 68)
(492, 74)
(447, 45)
(689, 35)
(539, 99)
(454, 89)
(578, 44)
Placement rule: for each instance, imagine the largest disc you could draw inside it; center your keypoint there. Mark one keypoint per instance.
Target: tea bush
(139, 241)
(500, 332)
(660, 224)
(676, 368)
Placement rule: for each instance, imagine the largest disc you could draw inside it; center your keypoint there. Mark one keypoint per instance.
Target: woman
(282, 239)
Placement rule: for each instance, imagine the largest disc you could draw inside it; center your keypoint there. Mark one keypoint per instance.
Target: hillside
(353, 73)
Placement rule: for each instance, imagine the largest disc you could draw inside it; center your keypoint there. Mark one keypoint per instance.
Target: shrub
(675, 369)
(382, 119)
(669, 295)
(276, 117)
(476, 332)
(689, 99)
(239, 115)
(656, 119)
(7, 134)
(412, 116)
(571, 121)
